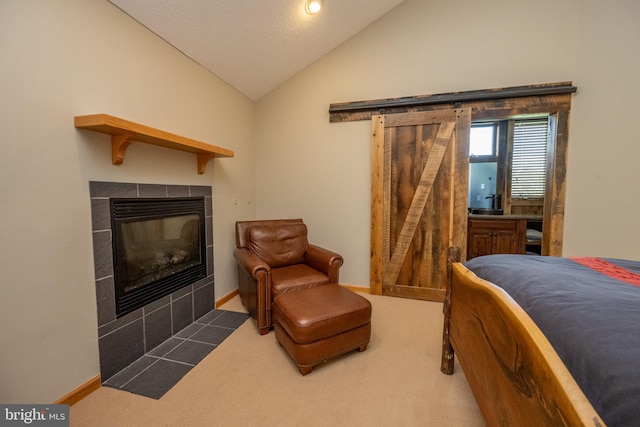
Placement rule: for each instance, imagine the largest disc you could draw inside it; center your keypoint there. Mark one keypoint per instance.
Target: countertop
(507, 216)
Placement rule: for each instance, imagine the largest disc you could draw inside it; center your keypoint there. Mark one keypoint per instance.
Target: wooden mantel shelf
(124, 132)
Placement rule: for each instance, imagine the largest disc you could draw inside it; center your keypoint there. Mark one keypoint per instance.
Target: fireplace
(125, 336)
(158, 248)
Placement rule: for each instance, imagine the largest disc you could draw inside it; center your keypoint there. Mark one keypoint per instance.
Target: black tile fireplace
(168, 277)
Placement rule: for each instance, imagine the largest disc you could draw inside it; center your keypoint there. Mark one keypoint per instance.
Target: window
(482, 140)
(528, 176)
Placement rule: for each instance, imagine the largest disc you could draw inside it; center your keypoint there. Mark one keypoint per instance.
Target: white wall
(320, 171)
(604, 151)
(62, 58)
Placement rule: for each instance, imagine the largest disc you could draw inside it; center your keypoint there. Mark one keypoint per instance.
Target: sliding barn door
(420, 169)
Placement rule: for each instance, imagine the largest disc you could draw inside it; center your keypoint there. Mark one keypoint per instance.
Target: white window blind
(528, 174)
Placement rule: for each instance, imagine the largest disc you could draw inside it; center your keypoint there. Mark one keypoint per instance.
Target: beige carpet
(249, 380)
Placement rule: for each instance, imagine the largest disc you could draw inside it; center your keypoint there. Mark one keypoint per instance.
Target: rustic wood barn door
(419, 200)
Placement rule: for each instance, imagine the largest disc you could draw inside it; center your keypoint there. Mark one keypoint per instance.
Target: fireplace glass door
(158, 248)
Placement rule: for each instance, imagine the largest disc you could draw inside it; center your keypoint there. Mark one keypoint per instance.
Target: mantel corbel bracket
(119, 144)
(203, 158)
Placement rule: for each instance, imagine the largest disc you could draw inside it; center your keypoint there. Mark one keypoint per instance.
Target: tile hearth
(156, 372)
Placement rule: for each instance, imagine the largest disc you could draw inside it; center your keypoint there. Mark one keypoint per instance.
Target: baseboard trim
(225, 299)
(81, 392)
(358, 288)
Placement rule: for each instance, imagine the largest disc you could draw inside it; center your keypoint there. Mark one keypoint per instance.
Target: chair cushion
(295, 277)
(279, 245)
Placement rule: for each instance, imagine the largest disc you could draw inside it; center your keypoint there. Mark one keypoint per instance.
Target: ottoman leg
(305, 369)
(363, 347)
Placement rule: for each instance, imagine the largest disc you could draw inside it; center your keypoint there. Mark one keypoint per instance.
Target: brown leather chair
(274, 257)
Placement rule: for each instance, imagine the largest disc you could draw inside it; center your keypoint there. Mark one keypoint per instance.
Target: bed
(546, 340)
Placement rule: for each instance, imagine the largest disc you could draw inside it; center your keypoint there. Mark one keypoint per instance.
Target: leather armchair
(273, 257)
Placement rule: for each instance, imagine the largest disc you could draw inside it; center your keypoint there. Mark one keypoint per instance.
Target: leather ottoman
(317, 324)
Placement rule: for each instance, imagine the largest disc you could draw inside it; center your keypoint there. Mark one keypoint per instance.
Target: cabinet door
(505, 242)
(480, 243)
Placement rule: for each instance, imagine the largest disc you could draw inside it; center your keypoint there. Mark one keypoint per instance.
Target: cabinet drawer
(493, 224)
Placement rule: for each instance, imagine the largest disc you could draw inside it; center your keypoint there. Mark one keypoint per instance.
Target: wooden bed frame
(516, 376)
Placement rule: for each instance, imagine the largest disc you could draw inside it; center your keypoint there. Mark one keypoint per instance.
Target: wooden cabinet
(495, 236)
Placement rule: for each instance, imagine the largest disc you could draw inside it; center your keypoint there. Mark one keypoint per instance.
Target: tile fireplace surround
(122, 341)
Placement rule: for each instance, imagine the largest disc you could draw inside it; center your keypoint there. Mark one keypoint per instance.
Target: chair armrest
(254, 287)
(324, 260)
(250, 262)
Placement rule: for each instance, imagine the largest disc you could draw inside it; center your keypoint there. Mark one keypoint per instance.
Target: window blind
(528, 174)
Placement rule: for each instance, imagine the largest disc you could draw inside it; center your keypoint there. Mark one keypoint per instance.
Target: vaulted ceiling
(254, 45)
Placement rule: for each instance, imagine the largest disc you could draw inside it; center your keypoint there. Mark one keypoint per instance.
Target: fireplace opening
(158, 248)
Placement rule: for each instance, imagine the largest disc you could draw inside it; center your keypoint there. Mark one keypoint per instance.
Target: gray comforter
(591, 319)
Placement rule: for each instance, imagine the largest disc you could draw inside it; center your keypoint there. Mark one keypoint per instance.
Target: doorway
(553, 99)
(553, 211)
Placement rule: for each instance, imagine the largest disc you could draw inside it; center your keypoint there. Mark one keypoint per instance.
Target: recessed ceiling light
(313, 6)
